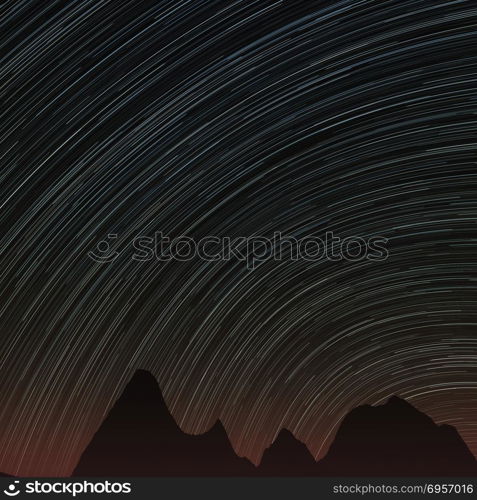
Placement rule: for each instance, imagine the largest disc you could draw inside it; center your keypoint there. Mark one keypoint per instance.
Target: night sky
(234, 118)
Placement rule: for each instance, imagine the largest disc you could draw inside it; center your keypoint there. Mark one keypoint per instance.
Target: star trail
(234, 118)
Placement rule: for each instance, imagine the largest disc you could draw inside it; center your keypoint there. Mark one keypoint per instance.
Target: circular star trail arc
(234, 118)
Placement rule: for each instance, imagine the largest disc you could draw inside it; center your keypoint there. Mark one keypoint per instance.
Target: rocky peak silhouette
(139, 437)
(396, 439)
(287, 456)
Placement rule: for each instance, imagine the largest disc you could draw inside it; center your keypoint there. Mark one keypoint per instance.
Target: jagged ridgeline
(139, 437)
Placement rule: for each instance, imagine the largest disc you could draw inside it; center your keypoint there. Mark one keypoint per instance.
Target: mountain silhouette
(395, 439)
(287, 456)
(139, 437)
